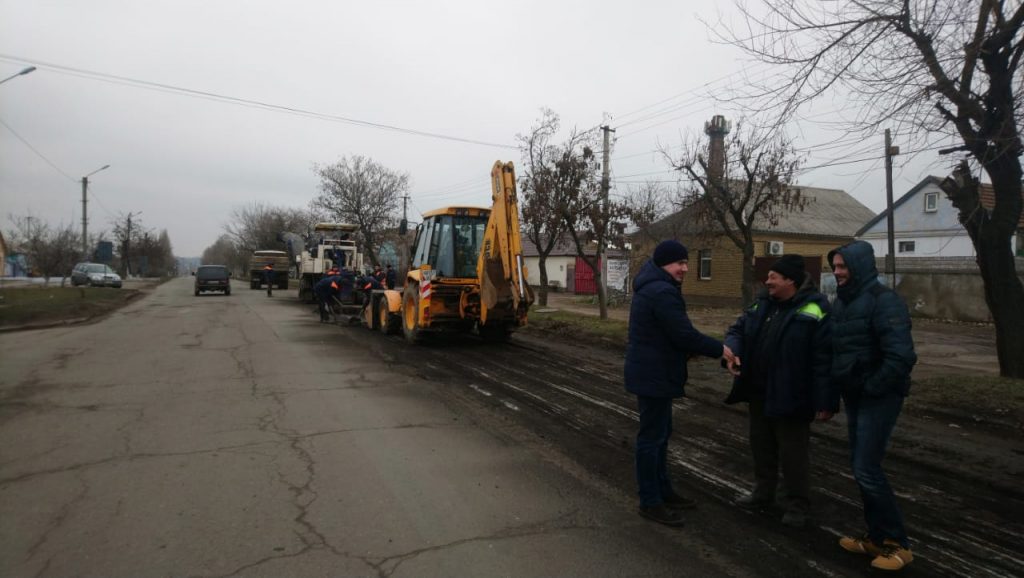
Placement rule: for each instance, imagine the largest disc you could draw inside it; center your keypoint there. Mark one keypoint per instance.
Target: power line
(33, 149)
(245, 102)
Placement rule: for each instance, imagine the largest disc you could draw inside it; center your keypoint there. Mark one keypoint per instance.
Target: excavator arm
(500, 267)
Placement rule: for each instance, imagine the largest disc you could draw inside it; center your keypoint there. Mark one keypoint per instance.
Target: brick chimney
(716, 129)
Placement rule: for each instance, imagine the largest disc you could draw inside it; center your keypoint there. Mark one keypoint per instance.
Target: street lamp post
(85, 188)
(23, 72)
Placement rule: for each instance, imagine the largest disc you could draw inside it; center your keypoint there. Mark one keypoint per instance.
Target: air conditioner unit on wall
(773, 247)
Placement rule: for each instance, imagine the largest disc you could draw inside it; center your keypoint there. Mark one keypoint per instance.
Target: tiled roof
(828, 212)
(565, 247)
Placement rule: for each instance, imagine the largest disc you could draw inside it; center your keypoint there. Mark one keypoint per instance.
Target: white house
(561, 263)
(925, 224)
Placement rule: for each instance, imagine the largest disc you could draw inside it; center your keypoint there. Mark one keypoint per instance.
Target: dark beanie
(669, 252)
(790, 266)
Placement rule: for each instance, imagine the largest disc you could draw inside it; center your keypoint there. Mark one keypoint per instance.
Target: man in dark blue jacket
(661, 338)
(873, 356)
(325, 290)
(784, 342)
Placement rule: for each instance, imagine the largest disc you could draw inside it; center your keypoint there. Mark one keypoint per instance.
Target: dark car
(94, 275)
(213, 278)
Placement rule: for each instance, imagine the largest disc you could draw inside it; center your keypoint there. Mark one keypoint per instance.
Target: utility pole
(85, 220)
(128, 247)
(890, 258)
(605, 186)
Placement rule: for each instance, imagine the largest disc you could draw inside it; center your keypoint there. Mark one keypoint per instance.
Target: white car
(95, 275)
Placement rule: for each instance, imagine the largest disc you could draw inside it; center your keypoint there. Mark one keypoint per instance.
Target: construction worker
(268, 278)
(378, 274)
(366, 285)
(389, 276)
(325, 290)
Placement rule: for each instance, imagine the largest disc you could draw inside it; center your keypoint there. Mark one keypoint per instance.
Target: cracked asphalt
(235, 436)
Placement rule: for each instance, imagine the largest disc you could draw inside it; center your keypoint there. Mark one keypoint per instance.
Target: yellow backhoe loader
(467, 272)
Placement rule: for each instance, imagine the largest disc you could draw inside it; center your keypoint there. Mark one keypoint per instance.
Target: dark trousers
(321, 302)
(652, 449)
(870, 421)
(784, 442)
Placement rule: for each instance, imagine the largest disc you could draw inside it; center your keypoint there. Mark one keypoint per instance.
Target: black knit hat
(669, 251)
(790, 266)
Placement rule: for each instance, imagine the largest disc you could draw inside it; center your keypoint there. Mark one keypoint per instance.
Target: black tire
(386, 322)
(495, 332)
(197, 292)
(227, 292)
(411, 313)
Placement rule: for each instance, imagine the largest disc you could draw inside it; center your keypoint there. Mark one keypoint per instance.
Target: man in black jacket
(874, 354)
(661, 338)
(785, 343)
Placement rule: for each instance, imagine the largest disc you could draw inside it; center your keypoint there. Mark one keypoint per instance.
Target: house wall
(943, 288)
(557, 267)
(935, 234)
(727, 263)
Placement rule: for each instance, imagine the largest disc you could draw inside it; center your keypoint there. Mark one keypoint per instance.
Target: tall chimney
(716, 129)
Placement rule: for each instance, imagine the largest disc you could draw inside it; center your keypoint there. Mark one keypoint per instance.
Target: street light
(85, 187)
(25, 71)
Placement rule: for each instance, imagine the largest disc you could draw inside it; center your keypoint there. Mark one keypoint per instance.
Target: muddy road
(957, 481)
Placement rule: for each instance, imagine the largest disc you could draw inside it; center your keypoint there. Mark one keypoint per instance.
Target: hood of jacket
(650, 273)
(860, 260)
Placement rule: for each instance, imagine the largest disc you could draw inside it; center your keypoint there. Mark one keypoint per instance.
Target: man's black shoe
(794, 519)
(662, 515)
(753, 502)
(678, 502)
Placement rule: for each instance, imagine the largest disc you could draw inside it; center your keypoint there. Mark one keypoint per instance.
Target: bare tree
(749, 191)
(50, 250)
(361, 191)
(258, 226)
(935, 67)
(129, 234)
(644, 205)
(224, 251)
(542, 198)
(589, 217)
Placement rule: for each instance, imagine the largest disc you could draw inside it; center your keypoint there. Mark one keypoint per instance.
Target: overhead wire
(61, 69)
(39, 154)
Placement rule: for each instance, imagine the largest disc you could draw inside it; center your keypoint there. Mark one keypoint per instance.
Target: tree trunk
(542, 300)
(748, 289)
(602, 296)
(991, 235)
(1004, 295)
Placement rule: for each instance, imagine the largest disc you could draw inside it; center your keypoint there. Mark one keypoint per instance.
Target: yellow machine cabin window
(454, 244)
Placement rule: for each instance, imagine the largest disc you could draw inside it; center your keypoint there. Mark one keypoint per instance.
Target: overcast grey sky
(474, 70)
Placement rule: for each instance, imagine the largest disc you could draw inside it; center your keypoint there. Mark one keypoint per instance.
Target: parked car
(213, 278)
(95, 275)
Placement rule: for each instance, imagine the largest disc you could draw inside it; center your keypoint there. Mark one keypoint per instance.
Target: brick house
(830, 218)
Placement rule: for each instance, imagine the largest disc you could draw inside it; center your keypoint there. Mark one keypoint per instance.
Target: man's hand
(823, 416)
(732, 361)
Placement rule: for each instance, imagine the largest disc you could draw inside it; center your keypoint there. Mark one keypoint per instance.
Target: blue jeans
(652, 449)
(870, 421)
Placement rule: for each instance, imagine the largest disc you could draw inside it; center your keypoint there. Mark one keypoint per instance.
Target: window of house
(705, 263)
(931, 202)
(906, 247)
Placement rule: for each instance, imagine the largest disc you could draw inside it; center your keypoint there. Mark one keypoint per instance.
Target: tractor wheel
(386, 322)
(495, 332)
(411, 313)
